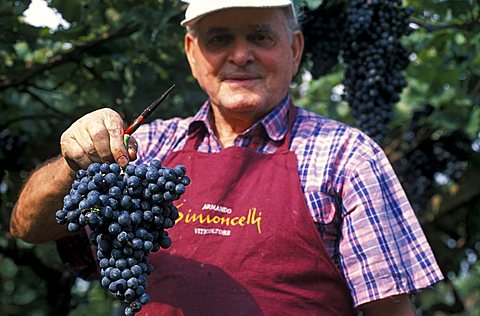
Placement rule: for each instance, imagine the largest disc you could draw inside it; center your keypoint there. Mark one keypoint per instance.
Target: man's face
(244, 59)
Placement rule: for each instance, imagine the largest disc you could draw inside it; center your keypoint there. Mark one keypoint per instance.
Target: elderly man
(288, 212)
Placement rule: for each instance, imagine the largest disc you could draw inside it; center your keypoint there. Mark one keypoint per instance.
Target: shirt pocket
(322, 206)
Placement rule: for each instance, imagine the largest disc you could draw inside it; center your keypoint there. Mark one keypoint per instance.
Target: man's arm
(33, 218)
(392, 306)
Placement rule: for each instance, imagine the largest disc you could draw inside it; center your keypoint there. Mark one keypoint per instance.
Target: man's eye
(219, 40)
(262, 39)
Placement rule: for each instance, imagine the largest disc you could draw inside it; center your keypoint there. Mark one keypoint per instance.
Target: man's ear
(189, 43)
(297, 49)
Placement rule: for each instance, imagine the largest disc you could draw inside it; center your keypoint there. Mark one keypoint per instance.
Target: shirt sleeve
(158, 138)
(383, 250)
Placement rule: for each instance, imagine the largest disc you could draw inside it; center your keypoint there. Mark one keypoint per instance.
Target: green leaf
(22, 49)
(473, 125)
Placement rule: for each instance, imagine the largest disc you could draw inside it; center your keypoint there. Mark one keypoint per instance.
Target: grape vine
(366, 35)
(322, 29)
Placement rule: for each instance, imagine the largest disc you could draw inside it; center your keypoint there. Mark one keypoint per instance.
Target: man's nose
(241, 53)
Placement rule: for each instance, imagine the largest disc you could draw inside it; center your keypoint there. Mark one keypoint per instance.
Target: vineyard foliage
(123, 54)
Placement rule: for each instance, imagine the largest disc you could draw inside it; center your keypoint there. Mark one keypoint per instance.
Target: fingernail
(122, 161)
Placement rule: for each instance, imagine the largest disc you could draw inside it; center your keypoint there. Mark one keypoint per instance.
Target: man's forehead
(261, 27)
(242, 18)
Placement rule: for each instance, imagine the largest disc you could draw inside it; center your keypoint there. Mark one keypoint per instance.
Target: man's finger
(101, 140)
(114, 125)
(85, 141)
(132, 148)
(75, 155)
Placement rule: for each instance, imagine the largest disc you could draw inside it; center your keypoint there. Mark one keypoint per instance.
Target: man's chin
(242, 105)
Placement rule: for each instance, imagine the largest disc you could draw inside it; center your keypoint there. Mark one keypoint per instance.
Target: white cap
(199, 8)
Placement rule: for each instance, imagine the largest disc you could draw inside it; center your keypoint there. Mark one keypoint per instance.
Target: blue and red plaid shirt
(361, 211)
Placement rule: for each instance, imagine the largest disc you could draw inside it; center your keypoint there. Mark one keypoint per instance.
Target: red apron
(245, 242)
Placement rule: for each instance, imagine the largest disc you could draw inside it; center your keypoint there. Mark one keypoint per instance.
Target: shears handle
(126, 139)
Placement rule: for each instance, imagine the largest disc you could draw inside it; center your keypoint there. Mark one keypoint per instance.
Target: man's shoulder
(163, 125)
(179, 121)
(332, 135)
(314, 124)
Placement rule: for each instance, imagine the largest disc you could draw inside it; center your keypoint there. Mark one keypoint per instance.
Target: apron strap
(196, 137)
(292, 114)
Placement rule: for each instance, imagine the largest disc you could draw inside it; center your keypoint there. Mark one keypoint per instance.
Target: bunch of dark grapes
(322, 29)
(375, 59)
(419, 168)
(128, 212)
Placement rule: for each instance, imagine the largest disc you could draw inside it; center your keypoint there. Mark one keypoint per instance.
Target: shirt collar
(275, 123)
(203, 118)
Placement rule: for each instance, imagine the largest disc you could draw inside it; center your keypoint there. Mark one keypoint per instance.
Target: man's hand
(97, 137)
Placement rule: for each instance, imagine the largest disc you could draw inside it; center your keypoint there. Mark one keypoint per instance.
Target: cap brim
(199, 9)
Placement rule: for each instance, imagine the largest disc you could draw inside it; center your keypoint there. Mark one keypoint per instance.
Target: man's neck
(227, 126)
(227, 129)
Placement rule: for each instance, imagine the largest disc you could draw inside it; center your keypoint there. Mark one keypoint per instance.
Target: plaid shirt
(363, 216)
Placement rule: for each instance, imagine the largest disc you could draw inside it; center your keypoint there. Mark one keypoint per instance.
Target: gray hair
(292, 18)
